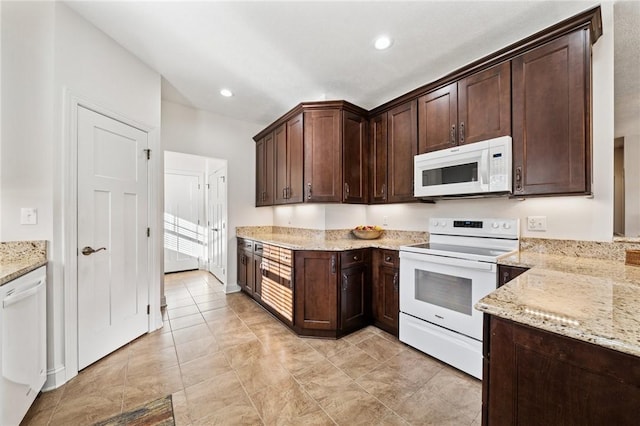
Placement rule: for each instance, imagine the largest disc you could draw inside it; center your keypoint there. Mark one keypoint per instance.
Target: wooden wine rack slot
(278, 297)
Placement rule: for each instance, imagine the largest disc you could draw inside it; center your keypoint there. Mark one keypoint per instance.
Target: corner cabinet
(473, 109)
(320, 155)
(332, 292)
(551, 117)
(394, 143)
(507, 273)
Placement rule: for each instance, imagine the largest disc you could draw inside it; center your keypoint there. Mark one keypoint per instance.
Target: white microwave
(473, 169)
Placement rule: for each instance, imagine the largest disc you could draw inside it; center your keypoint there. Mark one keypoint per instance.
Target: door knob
(89, 250)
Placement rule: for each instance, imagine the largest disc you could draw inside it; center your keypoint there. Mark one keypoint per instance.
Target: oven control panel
(485, 227)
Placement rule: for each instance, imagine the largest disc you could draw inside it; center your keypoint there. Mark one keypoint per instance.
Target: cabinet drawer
(351, 258)
(271, 252)
(286, 256)
(258, 248)
(390, 258)
(245, 244)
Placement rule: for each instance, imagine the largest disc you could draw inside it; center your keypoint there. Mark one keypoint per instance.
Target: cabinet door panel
(389, 302)
(355, 158)
(316, 290)
(402, 132)
(484, 105)
(551, 150)
(437, 118)
(378, 144)
(295, 158)
(322, 156)
(355, 299)
(280, 165)
(265, 171)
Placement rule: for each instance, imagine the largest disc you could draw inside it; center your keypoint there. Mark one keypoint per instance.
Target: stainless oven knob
(506, 225)
(443, 223)
(495, 225)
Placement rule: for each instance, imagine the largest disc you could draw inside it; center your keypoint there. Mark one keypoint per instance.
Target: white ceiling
(273, 55)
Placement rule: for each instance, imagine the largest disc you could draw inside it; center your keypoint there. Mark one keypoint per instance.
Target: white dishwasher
(23, 354)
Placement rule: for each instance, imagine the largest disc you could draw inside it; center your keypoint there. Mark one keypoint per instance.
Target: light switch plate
(28, 216)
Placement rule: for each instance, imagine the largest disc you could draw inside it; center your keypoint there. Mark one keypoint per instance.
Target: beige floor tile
(195, 332)
(322, 380)
(285, 400)
(261, 374)
(219, 316)
(182, 311)
(142, 387)
(360, 335)
(390, 388)
(245, 354)
(269, 327)
(380, 348)
(208, 297)
(414, 366)
(462, 392)
(354, 361)
(235, 336)
(175, 303)
(200, 289)
(37, 417)
(85, 410)
(196, 349)
(225, 324)
(180, 409)
(297, 356)
(211, 305)
(254, 317)
(233, 414)
(328, 347)
(204, 368)
(152, 341)
(213, 396)
(352, 405)
(187, 321)
(152, 361)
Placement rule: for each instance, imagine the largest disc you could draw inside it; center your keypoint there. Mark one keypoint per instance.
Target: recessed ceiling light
(382, 42)
(226, 93)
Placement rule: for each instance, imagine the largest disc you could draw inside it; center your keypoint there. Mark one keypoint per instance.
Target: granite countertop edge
(302, 243)
(12, 271)
(596, 317)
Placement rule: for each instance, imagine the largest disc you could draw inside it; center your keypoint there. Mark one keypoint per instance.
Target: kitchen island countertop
(18, 258)
(592, 300)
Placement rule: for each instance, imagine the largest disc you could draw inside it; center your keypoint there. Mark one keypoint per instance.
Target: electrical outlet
(28, 216)
(537, 223)
(385, 220)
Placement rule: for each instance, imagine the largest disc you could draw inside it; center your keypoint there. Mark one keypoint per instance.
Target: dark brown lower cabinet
(316, 293)
(246, 273)
(386, 295)
(534, 377)
(355, 290)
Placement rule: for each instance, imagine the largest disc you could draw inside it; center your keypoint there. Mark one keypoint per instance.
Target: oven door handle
(443, 260)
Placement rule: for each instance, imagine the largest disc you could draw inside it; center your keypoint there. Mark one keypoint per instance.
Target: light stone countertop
(18, 258)
(593, 300)
(302, 239)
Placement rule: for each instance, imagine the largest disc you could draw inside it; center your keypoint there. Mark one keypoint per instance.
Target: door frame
(225, 244)
(69, 207)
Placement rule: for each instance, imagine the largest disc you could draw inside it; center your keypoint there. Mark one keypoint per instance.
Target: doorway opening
(195, 214)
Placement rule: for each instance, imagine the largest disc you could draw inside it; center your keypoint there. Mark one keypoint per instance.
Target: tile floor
(226, 361)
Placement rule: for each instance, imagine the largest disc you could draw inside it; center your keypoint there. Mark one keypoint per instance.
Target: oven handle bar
(443, 260)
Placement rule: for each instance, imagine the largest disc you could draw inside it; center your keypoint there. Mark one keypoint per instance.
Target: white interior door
(113, 285)
(217, 221)
(183, 237)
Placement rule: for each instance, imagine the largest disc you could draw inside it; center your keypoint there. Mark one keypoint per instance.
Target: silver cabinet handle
(89, 250)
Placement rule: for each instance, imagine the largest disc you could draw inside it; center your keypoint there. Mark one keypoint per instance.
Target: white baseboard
(232, 288)
(55, 378)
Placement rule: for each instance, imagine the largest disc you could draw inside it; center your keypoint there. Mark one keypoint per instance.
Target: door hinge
(148, 232)
(148, 152)
(148, 309)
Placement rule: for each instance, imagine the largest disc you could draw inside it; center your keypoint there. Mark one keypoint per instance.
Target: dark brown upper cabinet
(322, 156)
(551, 117)
(394, 143)
(265, 168)
(288, 161)
(355, 158)
(472, 109)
